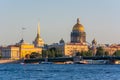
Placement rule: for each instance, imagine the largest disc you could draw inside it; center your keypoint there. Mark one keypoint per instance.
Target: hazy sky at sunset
(101, 19)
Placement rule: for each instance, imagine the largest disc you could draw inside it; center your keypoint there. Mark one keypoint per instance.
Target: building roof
(78, 27)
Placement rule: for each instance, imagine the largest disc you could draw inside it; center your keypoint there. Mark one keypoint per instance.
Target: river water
(59, 72)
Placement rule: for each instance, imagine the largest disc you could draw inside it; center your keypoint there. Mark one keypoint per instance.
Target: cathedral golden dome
(78, 27)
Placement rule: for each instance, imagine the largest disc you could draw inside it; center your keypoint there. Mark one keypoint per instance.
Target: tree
(100, 51)
(58, 53)
(89, 53)
(46, 46)
(44, 53)
(0, 54)
(52, 53)
(117, 53)
(84, 53)
(106, 53)
(35, 55)
(55, 52)
(78, 54)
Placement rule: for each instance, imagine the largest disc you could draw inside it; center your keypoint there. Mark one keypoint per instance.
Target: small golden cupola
(78, 27)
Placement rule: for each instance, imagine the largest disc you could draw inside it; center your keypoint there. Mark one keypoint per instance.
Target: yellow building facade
(77, 42)
(22, 49)
(26, 50)
(71, 49)
(112, 49)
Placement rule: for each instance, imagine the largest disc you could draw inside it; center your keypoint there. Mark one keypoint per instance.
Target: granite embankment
(3, 61)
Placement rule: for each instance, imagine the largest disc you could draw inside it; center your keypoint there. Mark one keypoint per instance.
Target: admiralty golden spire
(38, 42)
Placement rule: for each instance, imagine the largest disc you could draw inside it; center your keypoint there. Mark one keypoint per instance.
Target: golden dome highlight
(78, 27)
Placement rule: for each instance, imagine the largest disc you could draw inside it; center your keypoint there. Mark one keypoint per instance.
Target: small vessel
(100, 62)
(69, 62)
(116, 62)
(81, 62)
(45, 62)
(22, 63)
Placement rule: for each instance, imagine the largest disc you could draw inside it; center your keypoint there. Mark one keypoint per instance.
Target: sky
(100, 18)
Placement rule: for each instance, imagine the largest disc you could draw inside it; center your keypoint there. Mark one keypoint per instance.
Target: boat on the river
(44, 62)
(81, 62)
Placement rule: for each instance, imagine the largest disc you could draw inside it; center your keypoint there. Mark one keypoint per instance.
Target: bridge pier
(77, 58)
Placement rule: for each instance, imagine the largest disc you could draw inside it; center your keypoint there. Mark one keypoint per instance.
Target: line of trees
(116, 53)
(87, 53)
(50, 53)
(53, 52)
(102, 52)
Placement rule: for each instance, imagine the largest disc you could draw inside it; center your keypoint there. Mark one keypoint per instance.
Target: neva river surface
(59, 72)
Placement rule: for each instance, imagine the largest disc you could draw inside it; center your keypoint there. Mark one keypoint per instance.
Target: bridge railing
(64, 59)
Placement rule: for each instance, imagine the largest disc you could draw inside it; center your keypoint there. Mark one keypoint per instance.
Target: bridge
(65, 59)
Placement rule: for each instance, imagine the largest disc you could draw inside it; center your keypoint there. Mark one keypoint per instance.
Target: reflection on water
(59, 72)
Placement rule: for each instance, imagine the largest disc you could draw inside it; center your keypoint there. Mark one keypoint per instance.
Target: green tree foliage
(87, 53)
(58, 53)
(35, 55)
(44, 53)
(78, 54)
(100, 52)
(82, 53)
(52, 53)
(107, 53)
(117, 53)
(0, 55)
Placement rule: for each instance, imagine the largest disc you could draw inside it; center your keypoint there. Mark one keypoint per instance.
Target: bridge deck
(64, 59)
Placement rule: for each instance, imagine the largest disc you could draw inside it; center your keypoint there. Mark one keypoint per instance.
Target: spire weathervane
(78, 21)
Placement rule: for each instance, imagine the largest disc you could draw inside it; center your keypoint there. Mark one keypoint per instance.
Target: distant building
(11, 51)
(78, 35)
(77, 43)
(62, 41)
(112, 49)
(26, 49)
(94, 47)
(22, 49)
(19, 51)
(71, 49)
